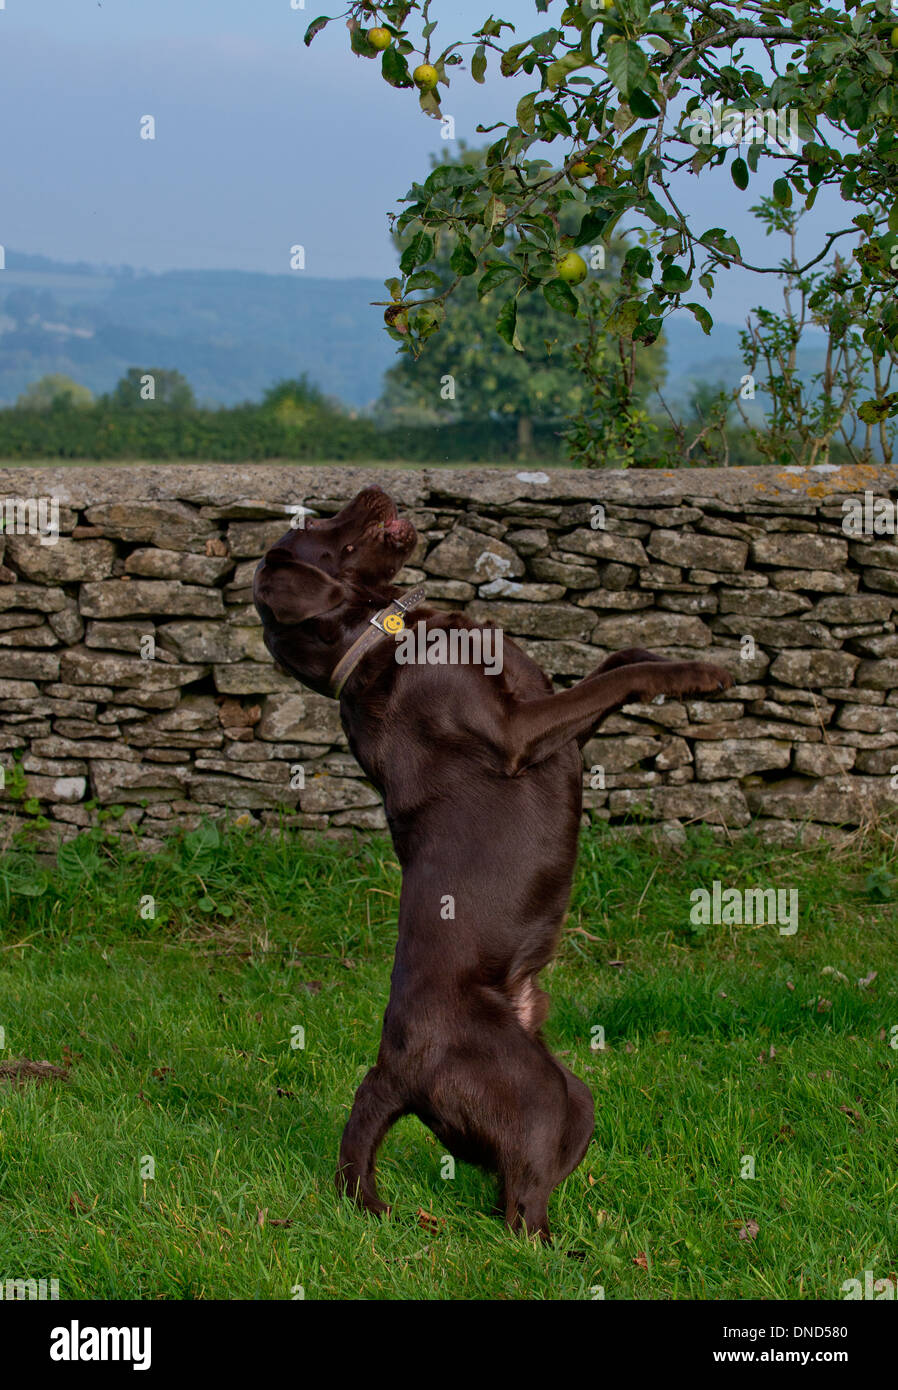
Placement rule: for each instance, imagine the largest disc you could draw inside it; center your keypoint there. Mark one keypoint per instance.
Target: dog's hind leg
(376, 1107)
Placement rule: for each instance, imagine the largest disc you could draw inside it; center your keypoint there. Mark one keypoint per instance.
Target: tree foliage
(55, 389)
(625, 91)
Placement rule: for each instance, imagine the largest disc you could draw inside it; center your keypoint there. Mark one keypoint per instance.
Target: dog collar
(388, 622)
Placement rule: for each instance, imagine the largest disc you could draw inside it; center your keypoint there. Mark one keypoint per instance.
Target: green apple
(425, 76)
(572, 268)
(380, 38)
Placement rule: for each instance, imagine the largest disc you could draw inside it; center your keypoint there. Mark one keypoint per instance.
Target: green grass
(721, 1044)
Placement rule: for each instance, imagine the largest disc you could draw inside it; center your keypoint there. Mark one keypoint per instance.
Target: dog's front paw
(702, 678)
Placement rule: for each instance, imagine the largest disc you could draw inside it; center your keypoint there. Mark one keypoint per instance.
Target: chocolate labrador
(481, 778)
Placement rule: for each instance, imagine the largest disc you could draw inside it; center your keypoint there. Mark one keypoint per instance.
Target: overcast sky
(261, 143)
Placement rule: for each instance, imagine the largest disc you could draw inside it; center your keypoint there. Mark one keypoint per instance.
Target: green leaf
(562, 67)
(395, 68)
(633, 144)
(495, 274)
(627, 66)
(675, 280)
(560, 296)
(507, 325)
(702, 316)
(893, 218)
(524, 114)
(478, 63)
(463, 261)
(315, 28)
(739, 171)
(419, 250)
(871, 412)
(782, 192)
(555, 121)
(423, 280)
(511, 58)
(593, 225)
(641, 105)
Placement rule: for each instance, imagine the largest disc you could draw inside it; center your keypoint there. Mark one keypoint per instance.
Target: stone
(251, 678)
(880, 551)
(762, 603)
(572, 576)
(165, 525)
(877, 675)
(521, 593)
(686, 603)
(120, 598)
(64, 789)
(41, 636)
(117, 781)
(806, 552)
(534, 619)
(815, 581)
(823, 760)
(883, 762)
(67, 624)
(651, 630)
(739, 757)
(843, 800)
(871, 721)
(776, 632)
(468, 555)
(65, 562)
(629, 601)
(57, 746)
(529, 541)
(674, 755)
(175, 564)
(721, 803)
(559, 659)
(83, 664)
(32, 596)
(301, 716)
(814, 668)
(18, 690)
(33, 666)
(604, 545)
(323, 793)
(619, 754)
(119, 637)
(211, 642)
(698, 552)
(885, 580)
(856, 608)
(616, 576)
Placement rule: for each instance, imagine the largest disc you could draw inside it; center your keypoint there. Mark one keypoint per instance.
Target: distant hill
(234, 333)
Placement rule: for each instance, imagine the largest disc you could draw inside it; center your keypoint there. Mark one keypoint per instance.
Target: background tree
(297, 403)
(54, 390)
(172, 390)
(468, 371)
(626, 87)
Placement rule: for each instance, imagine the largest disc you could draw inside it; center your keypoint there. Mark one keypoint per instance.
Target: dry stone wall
(753, 568)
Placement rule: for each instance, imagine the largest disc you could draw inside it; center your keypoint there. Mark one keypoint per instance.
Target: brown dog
(481, 779)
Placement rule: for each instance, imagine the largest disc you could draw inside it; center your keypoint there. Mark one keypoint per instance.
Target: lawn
(188, 1151)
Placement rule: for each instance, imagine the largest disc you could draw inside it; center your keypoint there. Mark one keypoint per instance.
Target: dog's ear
(295, 591)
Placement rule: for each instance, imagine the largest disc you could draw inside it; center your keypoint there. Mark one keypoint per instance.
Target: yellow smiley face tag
(393, 622)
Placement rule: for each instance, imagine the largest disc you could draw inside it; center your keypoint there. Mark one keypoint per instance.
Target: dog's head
(318, 576)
